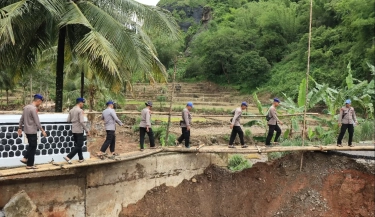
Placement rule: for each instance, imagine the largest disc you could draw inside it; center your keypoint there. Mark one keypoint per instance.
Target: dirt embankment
(328, 186)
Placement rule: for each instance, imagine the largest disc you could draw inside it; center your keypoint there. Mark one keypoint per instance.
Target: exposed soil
(125, 142)
(328, 186)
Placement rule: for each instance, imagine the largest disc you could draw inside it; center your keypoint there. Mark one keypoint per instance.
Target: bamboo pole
(307, 83)
(89, 162)
(170, 105)
(272, 149)
(166, 113)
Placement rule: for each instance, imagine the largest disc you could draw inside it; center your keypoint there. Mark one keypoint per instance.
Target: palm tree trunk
(7, 90)
(31, 88)
(60, 70)
(82, 83)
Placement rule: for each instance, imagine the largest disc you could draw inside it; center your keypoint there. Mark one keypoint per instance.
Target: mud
(327, 186)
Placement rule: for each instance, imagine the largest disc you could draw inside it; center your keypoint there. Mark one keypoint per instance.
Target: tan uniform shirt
(110, 118)
(273, 114)
(30, 119)
(77, 119)
(349, 117)
(237, 117)
(145, 118)
(186, 118)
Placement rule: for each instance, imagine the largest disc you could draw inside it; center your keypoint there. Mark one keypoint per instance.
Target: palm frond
(8, 14)
(98, 48)
(317, 96)
(152, 18)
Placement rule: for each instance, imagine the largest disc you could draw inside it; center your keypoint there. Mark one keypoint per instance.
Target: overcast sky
(148, 2)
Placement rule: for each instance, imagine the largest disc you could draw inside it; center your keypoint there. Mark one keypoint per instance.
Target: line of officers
(31, 124)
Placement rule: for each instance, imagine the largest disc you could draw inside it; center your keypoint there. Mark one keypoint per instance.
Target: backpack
(268, 117)
(233, 112)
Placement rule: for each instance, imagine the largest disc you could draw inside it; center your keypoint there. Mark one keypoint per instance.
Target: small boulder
(21, 205)
(193, 180)
(213, 140)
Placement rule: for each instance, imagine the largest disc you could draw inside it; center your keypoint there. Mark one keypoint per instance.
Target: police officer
(185, 125)
(272, 123)
(145, 126)
(347, 118)
(110, 118)
(236, 126)
(76, 117)
(30, 121)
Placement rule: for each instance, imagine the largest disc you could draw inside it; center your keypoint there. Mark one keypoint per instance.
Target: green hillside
(263, 44)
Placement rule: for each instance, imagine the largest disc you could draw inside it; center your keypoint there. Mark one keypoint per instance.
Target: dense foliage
(263, 44)
(109, 39)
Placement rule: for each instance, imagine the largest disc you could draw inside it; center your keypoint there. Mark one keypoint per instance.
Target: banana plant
(314, 96)
(360, 92)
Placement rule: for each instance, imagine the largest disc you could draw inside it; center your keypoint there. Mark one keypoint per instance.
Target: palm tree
(111, 35)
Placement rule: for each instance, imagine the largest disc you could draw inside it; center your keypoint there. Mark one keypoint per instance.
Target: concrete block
(121, 171)
(20, 205)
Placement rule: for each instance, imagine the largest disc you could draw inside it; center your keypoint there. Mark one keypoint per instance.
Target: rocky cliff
(187, 16)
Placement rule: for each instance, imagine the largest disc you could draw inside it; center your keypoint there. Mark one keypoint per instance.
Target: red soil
(328, 186)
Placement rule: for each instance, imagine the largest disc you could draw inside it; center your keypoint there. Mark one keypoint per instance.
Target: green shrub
(366, 129)
(140, 107)
(276, 155)
(292, 142)
(248, 134)
(226, 138)
(160, 133)
(238, 163)
(135, 127)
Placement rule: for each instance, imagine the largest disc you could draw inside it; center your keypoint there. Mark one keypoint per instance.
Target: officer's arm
(21, 121)
(340, 116)
(236, 114)
(186, 118)
(36, 119)
(82, 121)
(274, 114)
(113, 114)
(148, 119)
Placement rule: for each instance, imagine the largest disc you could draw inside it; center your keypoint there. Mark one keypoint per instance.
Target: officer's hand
(340, 124)
(19, 132)
(188, 128)
(147, 130)
(231, 126)
(281, 123)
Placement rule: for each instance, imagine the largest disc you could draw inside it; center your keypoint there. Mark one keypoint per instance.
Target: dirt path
(328, 186)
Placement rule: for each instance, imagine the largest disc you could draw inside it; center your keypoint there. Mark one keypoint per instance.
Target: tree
(7, 82)
(253, 69)
(112, 36)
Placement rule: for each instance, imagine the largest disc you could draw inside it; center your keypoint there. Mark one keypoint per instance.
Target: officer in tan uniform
(236, 126)
(31, 124)
(272, 121)
(347, 119)
(76, 117)
(185, 125)
(145, 126)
